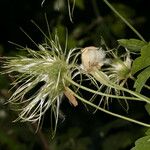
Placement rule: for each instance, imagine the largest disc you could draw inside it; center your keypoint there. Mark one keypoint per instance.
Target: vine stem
(124, 20)
(101, 77)
(108, 112)
(100, 93)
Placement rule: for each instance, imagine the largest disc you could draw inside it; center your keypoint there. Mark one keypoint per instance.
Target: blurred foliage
(91, 20)
(71, 140)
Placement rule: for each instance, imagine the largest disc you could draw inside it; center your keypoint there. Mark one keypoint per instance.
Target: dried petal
(92, 57)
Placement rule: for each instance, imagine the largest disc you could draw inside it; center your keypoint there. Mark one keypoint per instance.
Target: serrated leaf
(143, 61)
(132, 44)
(141, 79)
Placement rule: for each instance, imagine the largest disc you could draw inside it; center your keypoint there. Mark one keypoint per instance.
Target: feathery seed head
(120, 68)
(48, 66)
(112, 76)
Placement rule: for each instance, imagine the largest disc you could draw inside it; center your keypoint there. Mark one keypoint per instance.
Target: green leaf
(143, 143)
(139, 64)
(132, 44)
(142, 64)
(141, 79)
(148, 131)
(147, 107)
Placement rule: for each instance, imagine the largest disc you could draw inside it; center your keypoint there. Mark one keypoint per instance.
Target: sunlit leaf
(132, 44)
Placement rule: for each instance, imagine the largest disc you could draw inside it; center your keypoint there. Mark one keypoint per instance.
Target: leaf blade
(134, 45)
(143, 61)
(141, 79)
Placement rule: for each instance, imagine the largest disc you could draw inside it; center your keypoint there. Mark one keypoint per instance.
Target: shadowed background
(78, 129)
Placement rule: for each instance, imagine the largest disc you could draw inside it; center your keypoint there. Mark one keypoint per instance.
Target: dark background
(79, 129)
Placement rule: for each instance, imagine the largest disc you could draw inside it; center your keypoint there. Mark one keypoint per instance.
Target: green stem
(102, 78)
(108, 112)
(100, 93)
(124, 20)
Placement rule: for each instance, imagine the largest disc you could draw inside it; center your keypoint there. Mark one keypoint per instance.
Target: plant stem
(124, 20)
(100, 76)
(100, 93)
(108, 112)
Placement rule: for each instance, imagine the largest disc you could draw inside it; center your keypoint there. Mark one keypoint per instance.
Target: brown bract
(70, 96)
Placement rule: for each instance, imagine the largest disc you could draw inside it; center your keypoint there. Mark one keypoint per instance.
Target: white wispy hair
(41, 79)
